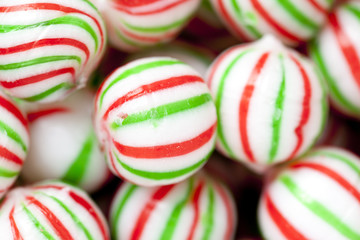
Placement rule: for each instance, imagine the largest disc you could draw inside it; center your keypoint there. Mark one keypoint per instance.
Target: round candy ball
(50, 48)
(198, 208)
(156, 121)
(292, 21)
(51, 210)
(64, 145)
(336, 51)
(134, 25)
(14, 142)
(315, 197)
(271, 105)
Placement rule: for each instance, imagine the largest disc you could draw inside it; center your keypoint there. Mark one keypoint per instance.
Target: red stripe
(44, 43)
(112, 162)
(14, 228)
(127, 6)
(148, 39)
(39, 114)
(48, 187)
(330, 173)
(233, 24)
(55, 7)
(5, 153)
(59, 228)
(347, 48)
(9, 106)
(318, 6)
(305, 114)
(281, 222)
(273, 22)
(170, 150)
(152, 87)
(196, 203)
(80, 200)
(147, 210)
(38, 78)
(244, 105)
(229, 211)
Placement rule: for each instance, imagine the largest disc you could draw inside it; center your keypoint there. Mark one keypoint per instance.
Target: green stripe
(78, 168)
(73, 216)
(318, 209)
(218, 102)
(172, 221)
(8, 131)
(208, 218)
(163, 175)
(116, 217)
(277, 116)
(249, 25)
(353, 9)
(48, 92)
(37, 61)
(336, 156)
(164, 110)
(136, 70)
(334, 90)
(37, 224)
(158, 29)
(297, 15)
(128, 41)
(71, 20)
(7, 173)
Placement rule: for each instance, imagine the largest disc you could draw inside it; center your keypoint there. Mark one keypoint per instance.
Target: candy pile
(196, 119)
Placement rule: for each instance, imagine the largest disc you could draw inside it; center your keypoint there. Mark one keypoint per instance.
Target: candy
(50, 48)
(64, 145)
(51, 210)
(14, 142)
(156, 121)
(289, 20)
(198, 208)
(316, 197)
(337, 54)
(133, 25)
(271, 105)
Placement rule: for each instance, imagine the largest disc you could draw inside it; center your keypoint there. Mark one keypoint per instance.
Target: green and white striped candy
(51, 210)
(133, 25)
(336, 51)
(64, 145)
(156, 121)
(14, 142)
(315, 197)
(292, 21)
(271, 105)
(198, 208)
(48, 48)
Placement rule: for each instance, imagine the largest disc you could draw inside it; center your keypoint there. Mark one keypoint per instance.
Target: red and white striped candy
(292, 21)
(198, 208)
(51, 210)
(336, 51)
(271, 104)
(316, 197)
(64, 145)
(134, 25)
(156, 120)
(48, 48)
(14, 142)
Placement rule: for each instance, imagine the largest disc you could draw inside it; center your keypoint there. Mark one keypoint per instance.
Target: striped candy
(197, 57)
(271, 105)
(64, 145)
(316, 197)
(156, 120)
(134, 25)
(292, 21)
(51, 210)
(198, 208)
(14, 142)
(48, 48)
(337, 53)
